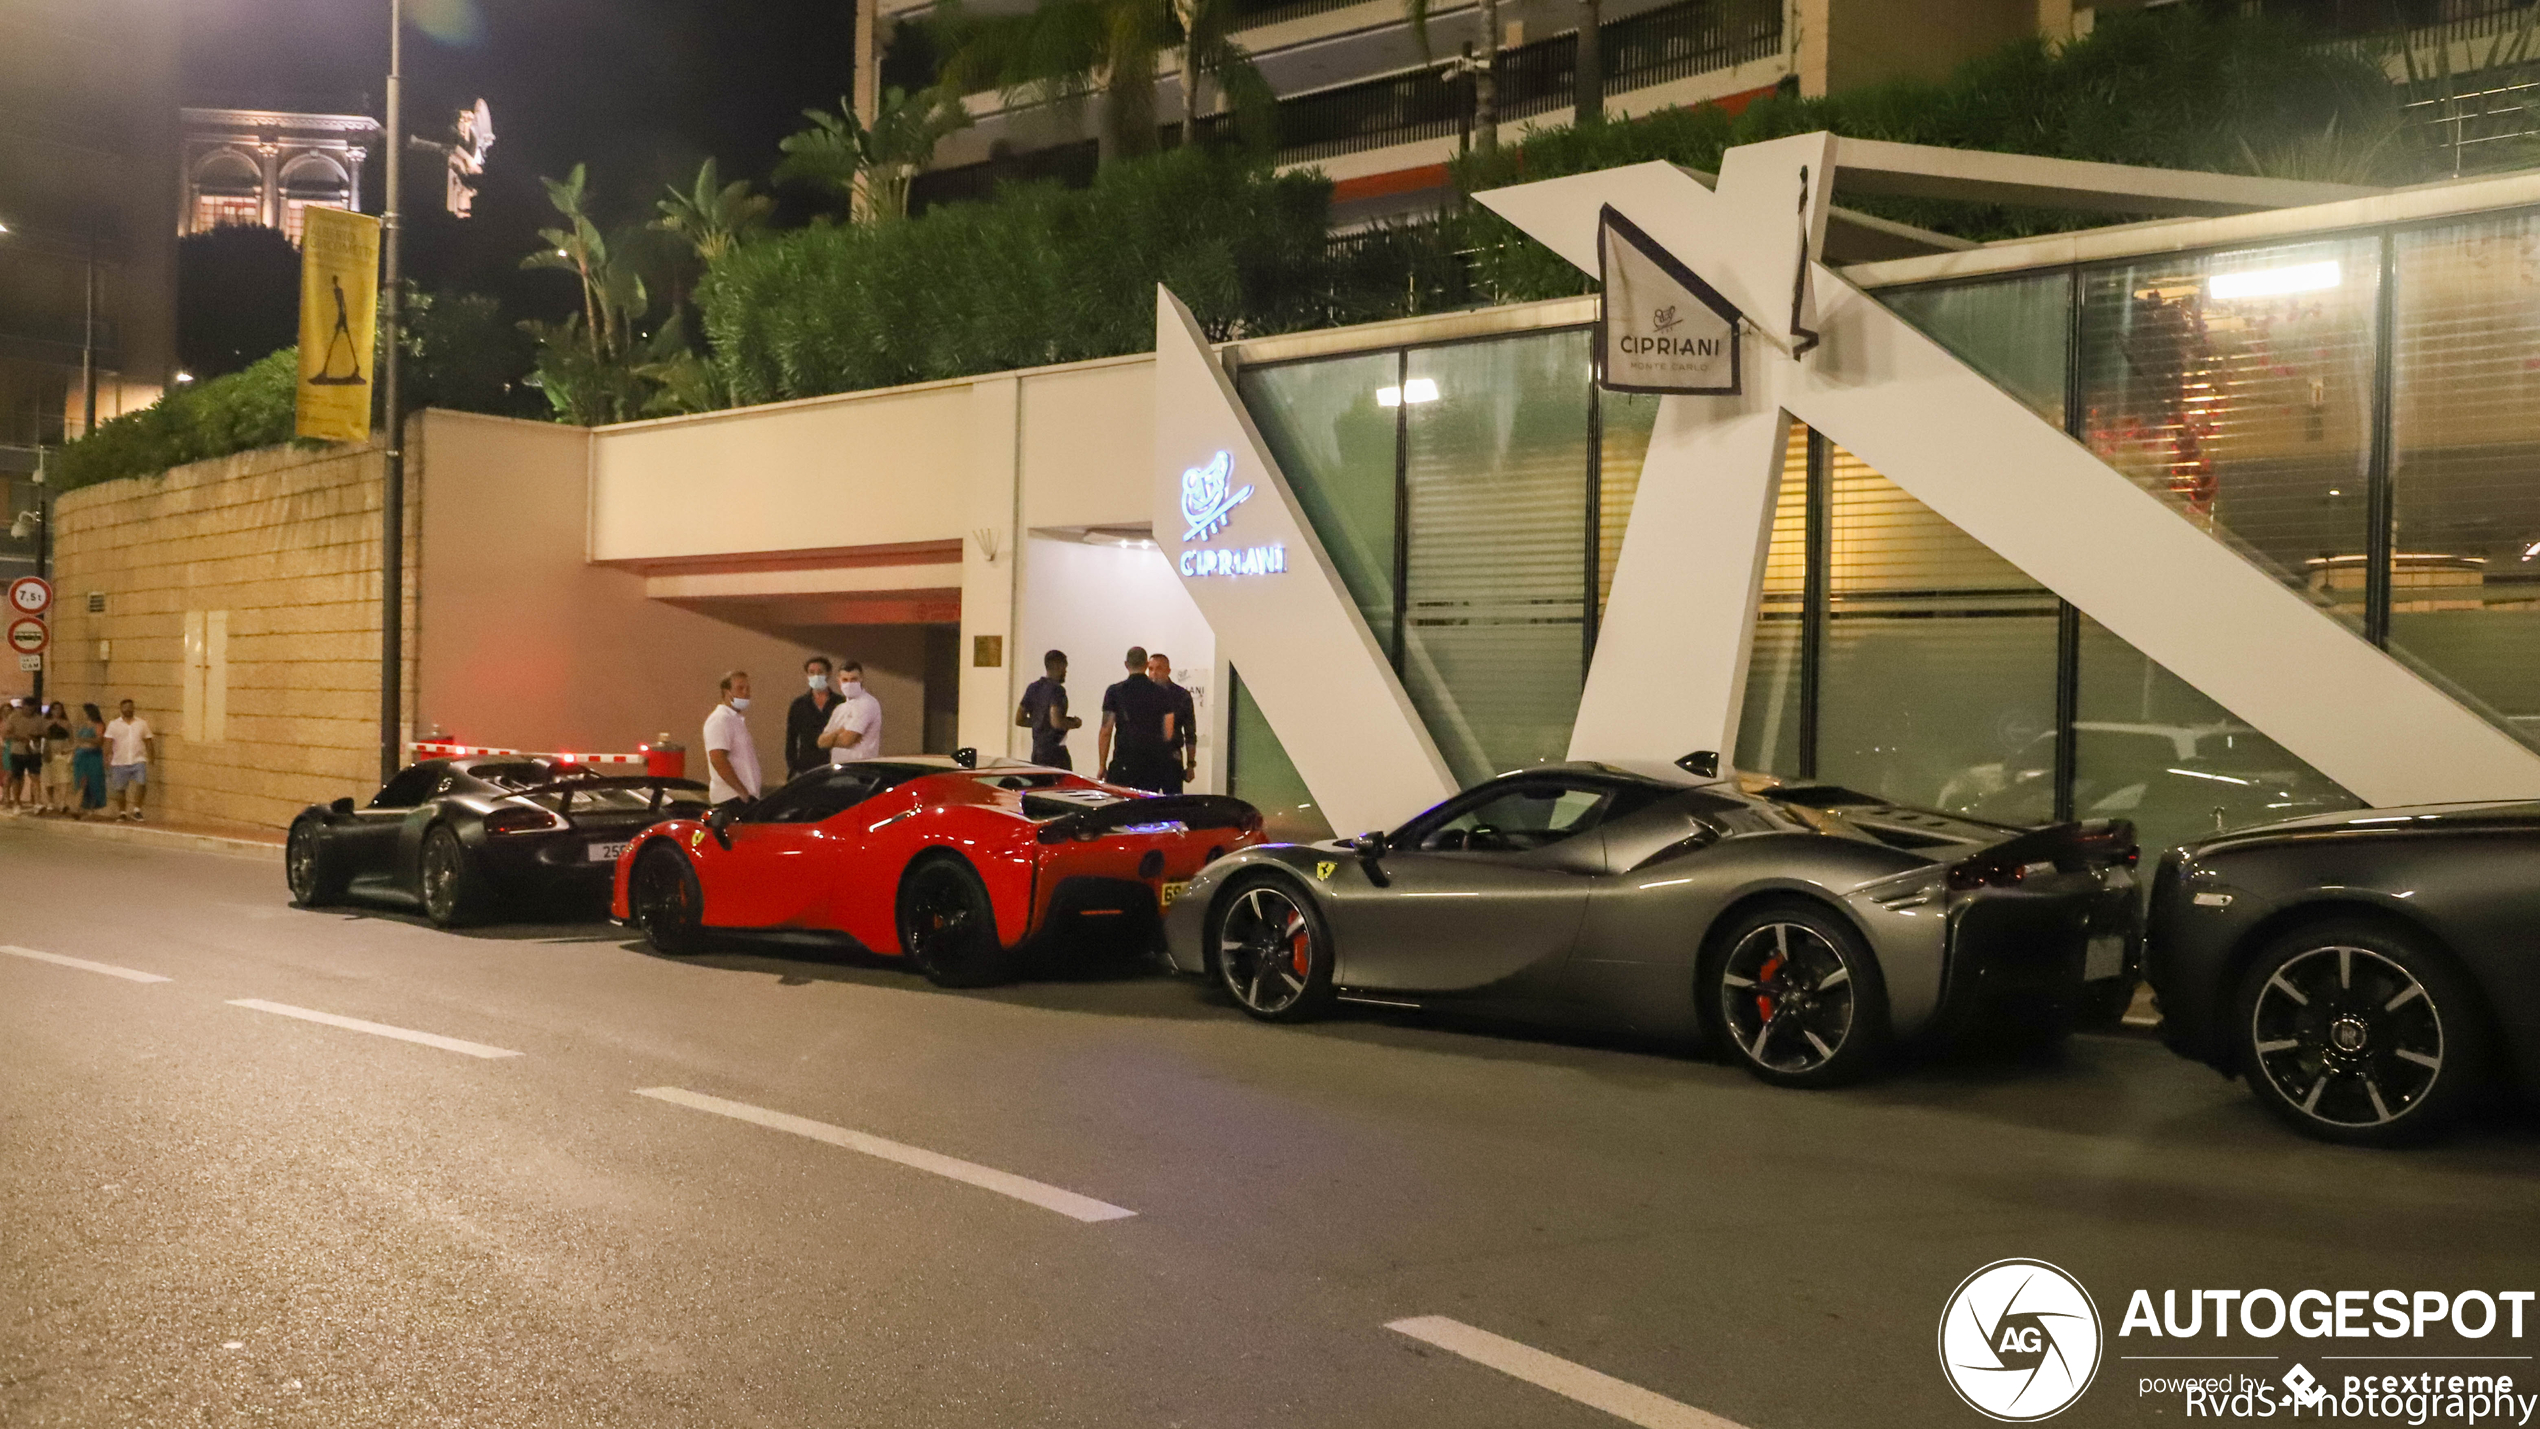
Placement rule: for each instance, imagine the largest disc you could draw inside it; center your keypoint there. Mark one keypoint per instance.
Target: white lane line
(109, 969)
(376, 1029)
(1627, 1402)
(986, 1178)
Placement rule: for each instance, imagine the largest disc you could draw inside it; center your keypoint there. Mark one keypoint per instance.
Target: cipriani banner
(1664, 329)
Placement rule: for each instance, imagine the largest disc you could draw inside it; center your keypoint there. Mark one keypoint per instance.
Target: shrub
(249, 408)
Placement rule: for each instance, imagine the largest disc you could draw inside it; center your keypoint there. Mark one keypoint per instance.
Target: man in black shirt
(1182, 752)
(808, 716)
(1044, 712)
(1137, 728)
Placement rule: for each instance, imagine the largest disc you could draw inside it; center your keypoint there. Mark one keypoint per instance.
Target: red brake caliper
(1763, 977)
(1300, 948)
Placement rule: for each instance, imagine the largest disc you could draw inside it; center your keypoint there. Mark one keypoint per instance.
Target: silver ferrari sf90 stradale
(1803, 929)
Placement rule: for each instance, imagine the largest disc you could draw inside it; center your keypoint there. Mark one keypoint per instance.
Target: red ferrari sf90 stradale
(957, 868)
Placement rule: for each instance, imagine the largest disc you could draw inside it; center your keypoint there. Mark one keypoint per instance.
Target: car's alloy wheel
(948, 927)
(663, 896)
(452, 893)
(2357, 1035)
(306, 867)
(1799, 999)
(1271, 952)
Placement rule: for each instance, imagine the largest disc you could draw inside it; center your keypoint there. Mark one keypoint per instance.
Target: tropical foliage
(252, 407)
(871, 167)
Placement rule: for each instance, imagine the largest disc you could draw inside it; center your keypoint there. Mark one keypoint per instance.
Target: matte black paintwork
(379, 848)
(2467, 876)
(1608, 926)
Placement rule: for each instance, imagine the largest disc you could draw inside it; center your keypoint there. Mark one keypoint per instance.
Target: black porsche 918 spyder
(459, 838)
(2369, 973)
(1800, 928)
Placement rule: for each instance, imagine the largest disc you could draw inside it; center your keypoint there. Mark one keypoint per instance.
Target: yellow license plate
(1171, 891)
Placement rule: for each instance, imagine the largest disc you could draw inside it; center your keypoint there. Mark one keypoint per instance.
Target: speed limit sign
(30, 595)
(28, 636)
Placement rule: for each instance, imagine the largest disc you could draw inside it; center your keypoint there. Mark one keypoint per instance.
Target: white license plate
(607, 853)
(2104, 957)
(1171, 891)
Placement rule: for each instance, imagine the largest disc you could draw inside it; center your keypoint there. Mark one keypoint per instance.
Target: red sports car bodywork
(834, 849)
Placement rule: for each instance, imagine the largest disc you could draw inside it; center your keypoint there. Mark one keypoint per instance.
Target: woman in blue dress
(88, 759)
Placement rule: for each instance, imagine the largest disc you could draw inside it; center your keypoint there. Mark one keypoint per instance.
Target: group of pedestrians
(835, 721)
(1150, 731)
(54, 762)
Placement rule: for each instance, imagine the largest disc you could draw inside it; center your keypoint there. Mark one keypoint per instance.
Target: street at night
(224, 1213)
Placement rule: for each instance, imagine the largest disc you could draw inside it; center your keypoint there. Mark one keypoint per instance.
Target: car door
(785, 847)
(1485, 894)
(368, 842)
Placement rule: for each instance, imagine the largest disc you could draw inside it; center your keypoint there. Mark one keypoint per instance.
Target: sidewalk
(199, 835)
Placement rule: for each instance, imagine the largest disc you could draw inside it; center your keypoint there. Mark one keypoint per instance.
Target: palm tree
(873, 167)
(1589, 68)
(713, 218)
(1065, 49)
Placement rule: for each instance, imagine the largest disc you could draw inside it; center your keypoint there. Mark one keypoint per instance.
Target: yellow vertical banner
(339, 323)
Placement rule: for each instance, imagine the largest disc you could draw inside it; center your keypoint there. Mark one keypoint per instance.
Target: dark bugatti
(461, 839)
(2369, 973)
(1801, 928)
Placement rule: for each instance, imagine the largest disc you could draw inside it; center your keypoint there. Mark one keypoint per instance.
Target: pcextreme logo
(2019, 1340)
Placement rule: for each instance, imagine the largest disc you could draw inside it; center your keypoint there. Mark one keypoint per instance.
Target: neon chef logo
(1206, 503)
(1208, 506)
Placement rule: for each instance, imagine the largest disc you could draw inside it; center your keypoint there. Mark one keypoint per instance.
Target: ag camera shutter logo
(2019, 1340)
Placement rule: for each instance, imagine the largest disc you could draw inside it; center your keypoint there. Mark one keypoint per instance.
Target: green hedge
(1043, 274)
(252, 407)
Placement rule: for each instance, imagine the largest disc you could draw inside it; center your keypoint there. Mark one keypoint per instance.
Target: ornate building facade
(262, 166)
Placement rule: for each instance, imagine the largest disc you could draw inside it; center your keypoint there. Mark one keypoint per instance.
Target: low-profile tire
(1270, 950)
(455, 893)
(948, 926)
(314, 870)
(1796, 997)
(2360, 1033)
(663, 896)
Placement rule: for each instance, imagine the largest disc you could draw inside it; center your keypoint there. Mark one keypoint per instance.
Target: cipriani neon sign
(1208, 505)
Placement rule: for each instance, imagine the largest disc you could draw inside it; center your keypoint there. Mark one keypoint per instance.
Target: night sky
(642, 90)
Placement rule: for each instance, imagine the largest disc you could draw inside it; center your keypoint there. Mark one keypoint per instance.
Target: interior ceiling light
(1415, 391)
(2275, 282)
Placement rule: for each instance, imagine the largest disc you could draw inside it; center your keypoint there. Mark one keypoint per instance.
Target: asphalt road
(213, 1213)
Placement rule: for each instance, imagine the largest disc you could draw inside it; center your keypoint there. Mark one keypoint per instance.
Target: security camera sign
(28, 636)
(30, 595)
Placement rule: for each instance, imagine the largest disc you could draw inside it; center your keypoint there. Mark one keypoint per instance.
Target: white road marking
(127, 974)
(986, 1178)
(376, 1029)
(1627, 1402)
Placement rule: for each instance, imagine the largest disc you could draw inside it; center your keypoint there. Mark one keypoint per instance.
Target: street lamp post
(392, 496)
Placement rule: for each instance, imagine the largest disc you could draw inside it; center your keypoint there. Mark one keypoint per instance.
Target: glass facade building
(2352, 413)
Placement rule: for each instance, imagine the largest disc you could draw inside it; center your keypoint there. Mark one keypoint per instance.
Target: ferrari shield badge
(1324, 869)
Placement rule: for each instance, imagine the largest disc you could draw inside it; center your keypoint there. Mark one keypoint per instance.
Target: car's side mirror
(966, 757)
(1370, 846)
(341, 808)
(719, 824)
(1701, 764)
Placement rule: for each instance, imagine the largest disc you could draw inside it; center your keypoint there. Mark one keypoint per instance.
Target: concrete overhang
(1878, 168)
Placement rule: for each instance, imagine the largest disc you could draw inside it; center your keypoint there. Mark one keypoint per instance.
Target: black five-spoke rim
(440, 873)
(2347, 1035)
(662, 900)
(303, 861)
(941, 914)
(1265, 950)
(1787, 995)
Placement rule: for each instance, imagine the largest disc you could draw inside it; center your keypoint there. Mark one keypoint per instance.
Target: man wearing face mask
(855, 726)
(807, 717)
(731, 756)
(1181, 761)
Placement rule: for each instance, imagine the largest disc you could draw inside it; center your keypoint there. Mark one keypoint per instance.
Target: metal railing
(2479, 127)
(1653, 47)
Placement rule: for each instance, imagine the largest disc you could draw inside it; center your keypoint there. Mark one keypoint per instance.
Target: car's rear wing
(574, 784)
(1191, 811)
(2070, 848)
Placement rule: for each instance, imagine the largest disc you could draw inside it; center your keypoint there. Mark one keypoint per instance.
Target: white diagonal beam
(1297, 638)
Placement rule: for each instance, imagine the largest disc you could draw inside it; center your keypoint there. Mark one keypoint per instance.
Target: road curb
(147, 836)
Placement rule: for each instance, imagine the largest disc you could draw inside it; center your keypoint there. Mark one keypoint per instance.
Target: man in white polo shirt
(731, 756)
(855, 726)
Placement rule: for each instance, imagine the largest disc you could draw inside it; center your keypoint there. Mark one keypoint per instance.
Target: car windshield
(827, 793)
(1529, 816)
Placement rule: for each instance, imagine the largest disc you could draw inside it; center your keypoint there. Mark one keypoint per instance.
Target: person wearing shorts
(22, 754)
(128, 739)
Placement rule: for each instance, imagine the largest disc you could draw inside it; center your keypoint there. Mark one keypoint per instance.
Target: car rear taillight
(520, 819)
(1981, 874)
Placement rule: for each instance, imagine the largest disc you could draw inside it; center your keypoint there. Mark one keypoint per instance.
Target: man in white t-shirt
(128, 741)
(731, 755)
(855, 726)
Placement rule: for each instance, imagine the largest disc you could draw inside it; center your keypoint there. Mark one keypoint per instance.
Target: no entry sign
(30, 595)
(28, 636)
